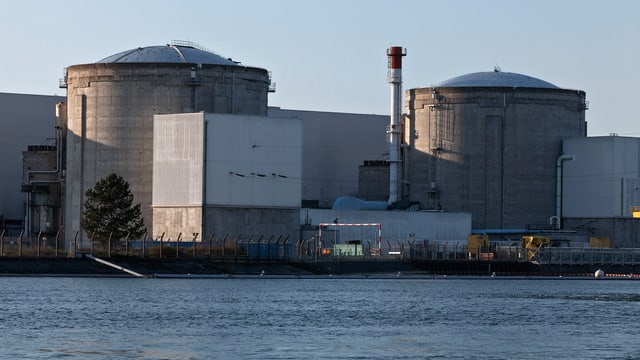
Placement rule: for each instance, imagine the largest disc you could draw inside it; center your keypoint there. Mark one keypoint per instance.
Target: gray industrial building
(487, 143)
(26, 120)
(603, 178)
(601, 188)
(334, 146)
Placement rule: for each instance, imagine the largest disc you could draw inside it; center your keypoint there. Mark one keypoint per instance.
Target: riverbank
(83, 266)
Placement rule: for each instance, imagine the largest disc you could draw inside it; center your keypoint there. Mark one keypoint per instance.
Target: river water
(319, 318)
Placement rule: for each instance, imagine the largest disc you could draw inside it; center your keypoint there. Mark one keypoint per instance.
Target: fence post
(109, 244)
(224, 243)
(126, 244)
(178, 245)
(38, 246)
(161, 237)
(410, 242)
(144, 239)
(75, 242)
(269, 248)
(259, 240)
(2, 243)
(285, 254)
(57, 243)
(455, 251)
(193, 244)
(210, 238)
(425, 250)
(20, 243)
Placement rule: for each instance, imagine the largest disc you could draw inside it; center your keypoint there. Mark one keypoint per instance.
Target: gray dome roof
(170, 53)
(496, 79)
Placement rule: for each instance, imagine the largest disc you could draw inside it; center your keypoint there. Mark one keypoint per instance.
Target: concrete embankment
(83, 266)
(148, 267)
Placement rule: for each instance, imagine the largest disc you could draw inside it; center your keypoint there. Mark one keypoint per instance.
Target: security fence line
(280, 248)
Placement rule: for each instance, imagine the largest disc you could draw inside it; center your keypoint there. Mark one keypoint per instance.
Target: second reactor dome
(496, 79)
(487, 143)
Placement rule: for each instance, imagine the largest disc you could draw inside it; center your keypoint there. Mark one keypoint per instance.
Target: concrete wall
(183, 221)
(25, 120)
(489, 151)
(110, 119)
(604, 178)
(253, 161)
(248, 223)
(398, 225)
(334, 145)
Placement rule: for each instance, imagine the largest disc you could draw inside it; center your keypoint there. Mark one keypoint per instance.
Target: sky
(330, 55)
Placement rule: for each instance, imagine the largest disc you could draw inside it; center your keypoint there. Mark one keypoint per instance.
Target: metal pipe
(115, 266)
(559, 162)
(394, 76)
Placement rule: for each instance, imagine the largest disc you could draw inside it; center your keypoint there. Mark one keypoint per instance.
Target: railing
(251, 247)
(412, 250)
(280, 248)
(588, 256)
(39, 246)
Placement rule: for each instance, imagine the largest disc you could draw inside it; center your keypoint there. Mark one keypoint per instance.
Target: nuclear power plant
(192, 133)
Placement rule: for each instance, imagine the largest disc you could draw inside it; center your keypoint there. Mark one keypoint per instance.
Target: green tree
(109, 211)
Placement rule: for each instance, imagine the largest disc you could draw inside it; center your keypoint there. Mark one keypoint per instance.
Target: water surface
(257, 318)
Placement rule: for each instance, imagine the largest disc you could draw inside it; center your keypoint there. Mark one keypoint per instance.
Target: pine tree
(109, 211)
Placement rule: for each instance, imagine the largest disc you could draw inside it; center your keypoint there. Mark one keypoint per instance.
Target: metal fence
(250, 247)
(280, 248)
(42, 245)
(588, 256)
(409, 250)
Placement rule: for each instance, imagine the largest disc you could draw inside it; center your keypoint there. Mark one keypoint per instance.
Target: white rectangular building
(226, 174)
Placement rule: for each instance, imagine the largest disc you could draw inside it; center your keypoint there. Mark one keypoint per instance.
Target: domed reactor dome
(487, 143)
(172, 54)
(111, 103)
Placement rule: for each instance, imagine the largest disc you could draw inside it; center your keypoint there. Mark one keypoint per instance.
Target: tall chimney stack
(394, 76)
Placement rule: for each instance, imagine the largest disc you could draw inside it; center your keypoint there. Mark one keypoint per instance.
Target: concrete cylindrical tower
(111, 103)
(487, 143)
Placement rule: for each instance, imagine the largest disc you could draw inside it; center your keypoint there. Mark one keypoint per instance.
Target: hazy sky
(329, 55)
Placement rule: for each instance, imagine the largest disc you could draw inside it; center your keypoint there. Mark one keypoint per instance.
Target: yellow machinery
(599, 242)
(476, 245)
(533, 243)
